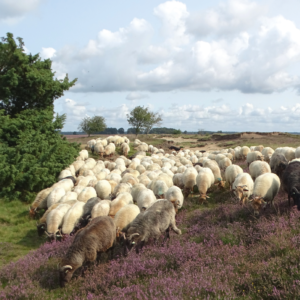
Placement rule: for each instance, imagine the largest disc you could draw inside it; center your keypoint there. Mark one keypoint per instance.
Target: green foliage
(142, 119)
(92, 125)
(26, 81)
(164, 130)
(177, 131)
(121, 130)
(32, 152)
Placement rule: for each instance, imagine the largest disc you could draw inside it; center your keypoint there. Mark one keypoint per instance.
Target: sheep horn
(132, 235)
(66, 267)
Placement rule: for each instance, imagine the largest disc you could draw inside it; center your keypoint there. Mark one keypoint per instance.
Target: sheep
(99, 149)
(103, 189)
(144, 179)
(159, 188)
(244, 152)
(125, 216)
(154, 222)
(178, 180)
(175, 195)
(77, 165)
(121, 188)
(189, 181)
(213, 165)
(204, 180)
(253, 156)
(267, 152)
(266, 187)
(101, 209)
(55, 196)
(291, 182)
(144, 199)
(66, 184)
(125, 149)
(99, 236)
(64, 173)
(258, 168)
(231, 173)
(40, 201)
(224, 163)
(86, 194)
(55, 218)
(122, 200)
(87, 209)
(72, 217)
(278, 164)
(128, 178)
(68, 196)
(84, 154)
(259, 148)
(110, 149)
(242, 187)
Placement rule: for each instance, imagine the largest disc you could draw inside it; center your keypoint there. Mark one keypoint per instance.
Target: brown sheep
(97, 237)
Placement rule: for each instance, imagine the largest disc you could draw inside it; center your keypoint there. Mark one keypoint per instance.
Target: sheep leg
(139, 247)
(173, 226)
(167, 236)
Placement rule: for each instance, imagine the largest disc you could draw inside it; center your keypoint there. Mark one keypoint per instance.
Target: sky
(229, 65)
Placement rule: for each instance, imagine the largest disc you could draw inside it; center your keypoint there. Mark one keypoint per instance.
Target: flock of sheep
(129, 201)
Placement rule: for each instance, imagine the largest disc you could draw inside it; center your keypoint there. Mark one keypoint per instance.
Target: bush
(32, 152)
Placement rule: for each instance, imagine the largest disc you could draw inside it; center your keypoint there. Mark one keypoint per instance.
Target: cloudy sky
(231, 65)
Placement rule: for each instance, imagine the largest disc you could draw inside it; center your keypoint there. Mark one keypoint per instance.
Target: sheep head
(203, 197)
(65, 274)
(258, 203)
(41, 228)
(221, 183)
(239, 192)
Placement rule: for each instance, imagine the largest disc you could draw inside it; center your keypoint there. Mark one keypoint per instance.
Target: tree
(177, 131)
(32, 152)
(142, 119)
(121, 131)
(26, 81)
(92, 125)
(155, 119)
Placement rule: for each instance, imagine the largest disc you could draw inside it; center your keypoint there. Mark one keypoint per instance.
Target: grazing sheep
(159, 188)
(125, 216)
(258, 168)
(103, 189)
(231, 173)
(224, 163)
(205, 179)
(121, 188)
(55, 196)
(253, 156)
(40, 201)
(55, 219)
(291, 182)
(64, 173)
(97, 237)
(266, 187)
(101, 209)
(259, 148)
(178, 180)
(86, 194)
(242, 187)
(110, 149)
(128, 178)
(213, 165)
(68, 196)
(267, 152)
(154, 222)
(278, 164)
(189, 181)
(87, 209)
(174, 194)
(72, 217)
(122, 200)
(144, 199)
(244, 152)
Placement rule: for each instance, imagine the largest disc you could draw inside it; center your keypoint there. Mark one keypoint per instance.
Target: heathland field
(224, 251)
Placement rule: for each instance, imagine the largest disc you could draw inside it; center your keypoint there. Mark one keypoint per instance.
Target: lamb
(231, 173)
(242, 187)
(175, 195)
(154, 222)
(101, 209)
(125, 216)
(205, 179)
(72, 217)
(99, 236)
(86, 194)
(258, 168)
(266, 187)
(55, 219)
(40, 201)
(103, 189)
(253, 156)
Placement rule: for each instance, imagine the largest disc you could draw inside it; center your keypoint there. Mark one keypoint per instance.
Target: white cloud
(136, 96)
(12, 11)
(247, 117)
(239, 47)
(47, 53)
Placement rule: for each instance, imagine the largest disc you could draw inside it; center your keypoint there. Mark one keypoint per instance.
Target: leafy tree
(110, 130)
(142, 119)
(177, 131)
(92, 125)
(121, 131)
(26, 81)
(32, 152)
(155, 119)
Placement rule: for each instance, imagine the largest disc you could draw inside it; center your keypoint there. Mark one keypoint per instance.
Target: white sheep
(258, 168)
(110, 149)
(101, 209)
(122, 200)
(145, 198)
(158, 187)
(242, 187)
(244, 152)
(231, 173)
(86, 194)
(55, 196)
(174, 194)
(266, 187)
(224, 163)
(213, 165)
(253, 156)
(72, 217)
(267, 153)
(204, 180)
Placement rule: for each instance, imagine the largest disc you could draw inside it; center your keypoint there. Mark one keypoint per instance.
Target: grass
(18, 232)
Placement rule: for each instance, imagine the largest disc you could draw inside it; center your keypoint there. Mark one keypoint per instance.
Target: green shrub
(32, 152)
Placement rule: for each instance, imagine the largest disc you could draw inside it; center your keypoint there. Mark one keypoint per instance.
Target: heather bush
(224, 252)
